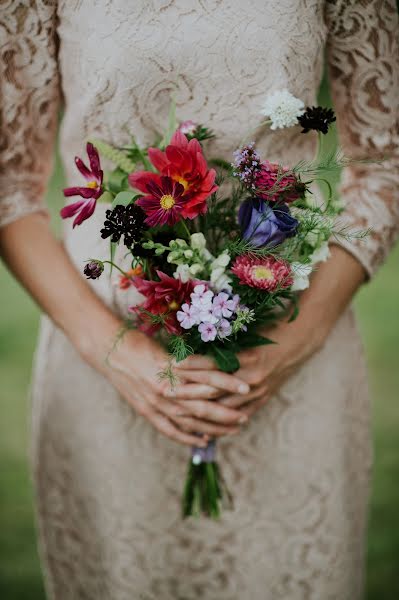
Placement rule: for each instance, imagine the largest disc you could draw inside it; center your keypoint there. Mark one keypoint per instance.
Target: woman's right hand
(133, 367)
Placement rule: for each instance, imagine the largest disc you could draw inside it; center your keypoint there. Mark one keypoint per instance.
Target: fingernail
(243, 388)
(243, 419)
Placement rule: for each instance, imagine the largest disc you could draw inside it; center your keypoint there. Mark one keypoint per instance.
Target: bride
(109, 441)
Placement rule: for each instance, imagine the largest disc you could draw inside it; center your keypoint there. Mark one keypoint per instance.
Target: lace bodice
(117, 63)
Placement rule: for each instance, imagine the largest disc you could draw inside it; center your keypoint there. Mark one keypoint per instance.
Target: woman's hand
(134, 366)
(266, 368)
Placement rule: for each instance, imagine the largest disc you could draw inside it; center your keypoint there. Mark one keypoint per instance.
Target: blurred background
(377, 309)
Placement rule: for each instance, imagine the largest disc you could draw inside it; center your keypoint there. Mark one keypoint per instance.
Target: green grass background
(377, 309)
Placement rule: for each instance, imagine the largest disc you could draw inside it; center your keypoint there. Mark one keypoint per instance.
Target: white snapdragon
(283, 109)
(219, 279)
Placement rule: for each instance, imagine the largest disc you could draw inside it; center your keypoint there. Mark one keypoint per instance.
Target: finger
(192, 391)
(217, 379)
(197, 361)
(192, 425)
(236, 400)
(252, 407)
(214, 412)
(165, 426)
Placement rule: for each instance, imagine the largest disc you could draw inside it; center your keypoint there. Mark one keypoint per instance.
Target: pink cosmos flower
(163, 202)
(271, 183)
(89, 193)
(266, 273)
(184, 162)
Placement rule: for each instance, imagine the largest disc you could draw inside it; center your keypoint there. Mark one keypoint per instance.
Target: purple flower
(207, 314)
(263, 225)
(246, 164)
(201, 296)
(208, 332)
(223, 305)
(224, 328)
(188, 316)
(90, 193)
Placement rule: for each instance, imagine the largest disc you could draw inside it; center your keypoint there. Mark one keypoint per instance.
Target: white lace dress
(107, 484)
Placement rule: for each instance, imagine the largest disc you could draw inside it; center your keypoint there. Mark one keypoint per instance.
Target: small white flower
(283, 109)
(195, 269)
(321, 254)
(198, 241)
(221, 281)
(301, 274)
(188, 253)
(183, 272)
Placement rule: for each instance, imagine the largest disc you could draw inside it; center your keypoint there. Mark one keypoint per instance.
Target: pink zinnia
(90, 192)
(266, 273)
(271, 183)
(184, 162)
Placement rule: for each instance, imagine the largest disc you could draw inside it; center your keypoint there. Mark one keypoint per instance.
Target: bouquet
(218, 250)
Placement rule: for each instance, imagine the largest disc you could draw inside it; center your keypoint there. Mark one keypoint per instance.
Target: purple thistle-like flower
(208, 332)
(246, 164)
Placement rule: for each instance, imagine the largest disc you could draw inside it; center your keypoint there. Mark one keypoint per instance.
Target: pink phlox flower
(224, 328)
(188, 316)
(201, 296)
(223, 305)
(208, 332)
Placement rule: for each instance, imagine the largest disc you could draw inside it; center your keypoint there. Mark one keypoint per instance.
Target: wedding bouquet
(219, 250)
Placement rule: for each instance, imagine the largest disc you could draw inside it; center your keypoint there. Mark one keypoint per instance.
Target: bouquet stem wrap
(205, 492)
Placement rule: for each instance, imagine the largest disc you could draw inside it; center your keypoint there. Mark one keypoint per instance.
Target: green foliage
(179, 348)
(124, 198)
(225, 358)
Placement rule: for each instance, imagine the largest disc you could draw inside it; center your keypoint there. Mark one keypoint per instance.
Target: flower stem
(110, 262)
(186, 230)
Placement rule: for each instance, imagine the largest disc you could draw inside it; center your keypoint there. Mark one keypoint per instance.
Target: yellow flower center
(173, 305)
(92, 184)
(260, 272)
(183, 182)
(167, 202)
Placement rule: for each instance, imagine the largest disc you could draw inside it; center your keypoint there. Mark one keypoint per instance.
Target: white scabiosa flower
(301, 274)
(283, 109)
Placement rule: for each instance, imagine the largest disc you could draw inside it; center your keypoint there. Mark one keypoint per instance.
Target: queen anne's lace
(107, 484)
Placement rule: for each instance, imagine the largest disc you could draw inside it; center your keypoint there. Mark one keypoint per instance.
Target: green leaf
(251, 340)
(225, 359)
(117, 181)
(106, 197)
(112, 249)
(123, 198)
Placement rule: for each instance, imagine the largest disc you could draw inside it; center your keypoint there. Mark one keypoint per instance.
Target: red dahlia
(163, 297)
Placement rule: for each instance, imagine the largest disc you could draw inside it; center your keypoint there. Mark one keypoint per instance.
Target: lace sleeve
(362, 52)
(28, 104)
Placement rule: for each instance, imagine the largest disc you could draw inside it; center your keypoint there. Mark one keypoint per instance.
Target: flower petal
(140, 179)
(85, 192)
(94, 159)
(71, 209)
(158, 159)
(85, 171)
(86, 212)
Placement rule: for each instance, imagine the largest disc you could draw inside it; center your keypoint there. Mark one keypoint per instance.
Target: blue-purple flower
(264, 225)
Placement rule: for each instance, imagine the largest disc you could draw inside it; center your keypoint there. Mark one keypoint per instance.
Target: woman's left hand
(266, 368)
